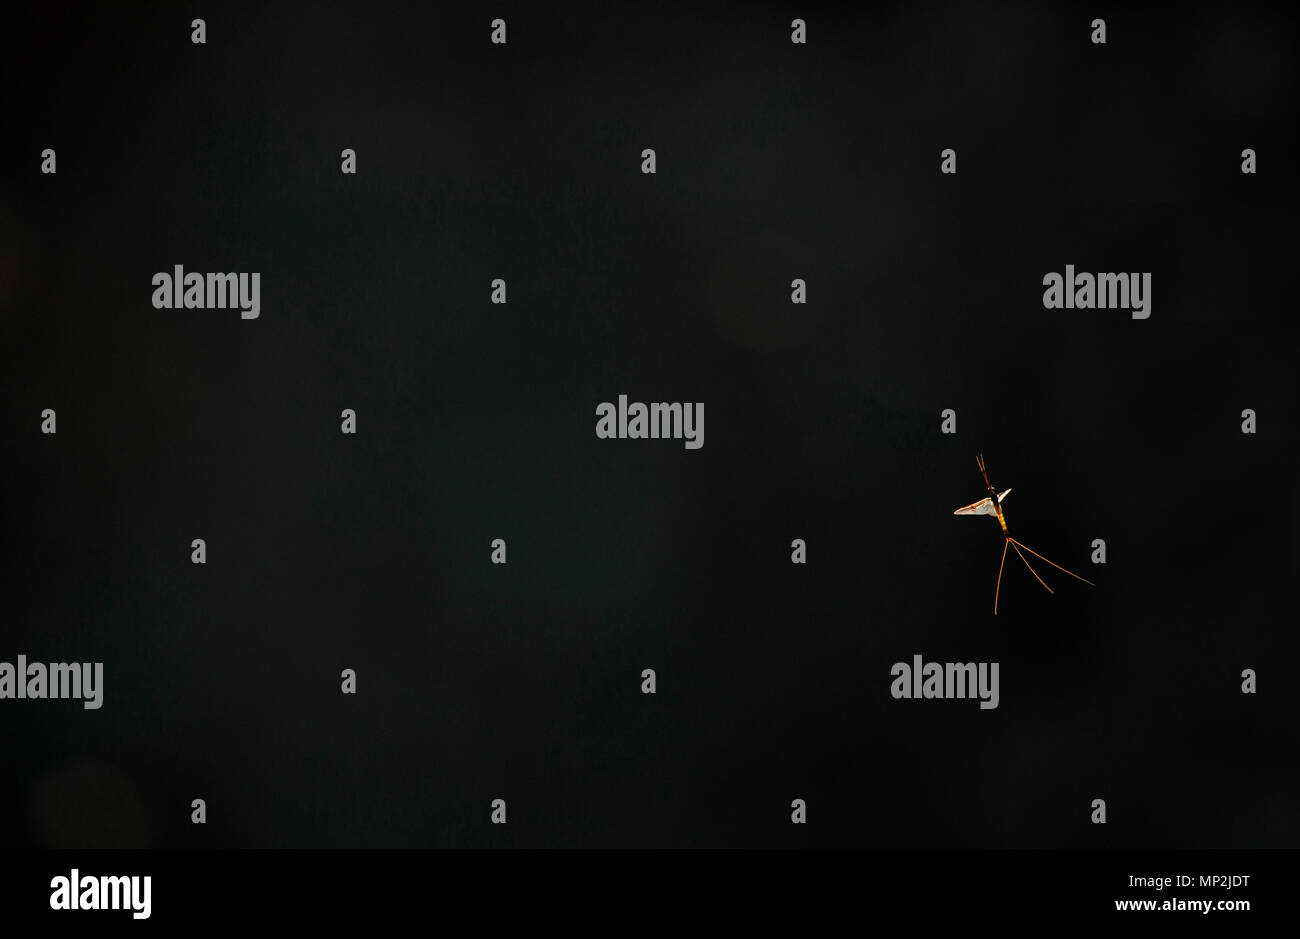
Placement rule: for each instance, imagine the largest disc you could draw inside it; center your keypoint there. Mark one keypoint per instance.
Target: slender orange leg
(1054, 564)
(999, 586)
(1016, 545)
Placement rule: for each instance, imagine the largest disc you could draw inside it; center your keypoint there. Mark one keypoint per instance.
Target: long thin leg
(1015, 544)
(1006, 545)
(1054, 564)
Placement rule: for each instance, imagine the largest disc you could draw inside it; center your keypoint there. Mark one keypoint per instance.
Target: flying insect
(992, 505)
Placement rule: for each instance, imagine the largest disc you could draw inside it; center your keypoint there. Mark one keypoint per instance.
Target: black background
(476, 421)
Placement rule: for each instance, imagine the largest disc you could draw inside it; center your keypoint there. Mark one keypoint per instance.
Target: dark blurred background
(477, 421)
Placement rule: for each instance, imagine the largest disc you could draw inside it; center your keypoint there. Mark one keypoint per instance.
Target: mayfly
(992, 505)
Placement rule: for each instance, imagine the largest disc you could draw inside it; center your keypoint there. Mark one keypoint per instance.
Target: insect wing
(982, 507)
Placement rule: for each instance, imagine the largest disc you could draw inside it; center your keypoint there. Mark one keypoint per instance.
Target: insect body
(992, 505)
